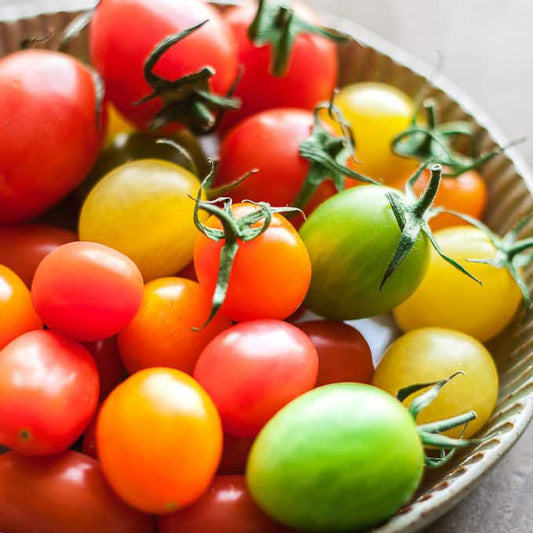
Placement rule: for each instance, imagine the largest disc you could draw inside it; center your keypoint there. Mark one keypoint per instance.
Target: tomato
(351, 239)
(50, 135)
(276, 258)
(89, 438)
(107, 359)
(449, 300)
(163, 331)
(42, 372)
(86, 290)
(159, 440)
(253, 369)
(310, 77)
(225, 508)
(142, 209)
(150, 21)
(23, 247)
(343, 354)
(430, 354)
(234, 454)
(116, 124)
(377, 112)
(342, 457)
(63, 493)
(16, 309)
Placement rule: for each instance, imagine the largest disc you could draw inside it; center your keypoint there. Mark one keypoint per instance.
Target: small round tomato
(23, 247)
(234, 454)
(16, 308)
(164, 331)
(448, 299)
(226, 507)
(86, 290)
(270, 273)
(41, 373)
(62, 493)
(88, 446)
(159, 440)
(432, 354)
(143, 209)
(110, 368)
(253, 369)
(343, 353)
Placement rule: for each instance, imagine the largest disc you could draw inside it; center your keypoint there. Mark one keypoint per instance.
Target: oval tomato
(62, 494)
(41, 372)
(110, 368)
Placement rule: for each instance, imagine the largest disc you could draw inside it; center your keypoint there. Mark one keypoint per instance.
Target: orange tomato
(162, 334)
(16, 308)
(159, 440)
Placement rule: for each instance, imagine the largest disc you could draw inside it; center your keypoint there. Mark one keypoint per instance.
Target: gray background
(487, 49)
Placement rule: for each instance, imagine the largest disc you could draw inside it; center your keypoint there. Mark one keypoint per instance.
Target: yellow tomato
(431, 354)
(143, 210)
(447, 298)
(116, 124)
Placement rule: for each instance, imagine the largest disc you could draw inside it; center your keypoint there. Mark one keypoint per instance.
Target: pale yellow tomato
(432, 354)
(447, 298)
(143, 210)
(116, 124)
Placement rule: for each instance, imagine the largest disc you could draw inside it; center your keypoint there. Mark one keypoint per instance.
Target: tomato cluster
(186, 361)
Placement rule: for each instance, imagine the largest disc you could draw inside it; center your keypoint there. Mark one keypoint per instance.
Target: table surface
(485, 47)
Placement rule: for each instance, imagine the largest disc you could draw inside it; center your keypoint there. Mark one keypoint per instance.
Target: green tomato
(342, 457)
(351, 239)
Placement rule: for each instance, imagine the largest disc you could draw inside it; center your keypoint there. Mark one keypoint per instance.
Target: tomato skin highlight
(159, 409)
(40, 373)
(61, 494)
(47, 114)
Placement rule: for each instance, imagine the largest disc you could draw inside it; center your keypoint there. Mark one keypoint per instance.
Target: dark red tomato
(253, 369)
(48, 392)
(310, 78)
(23, 247)
(234, 455)
(87, 290)
(50, 136)
(120, 58)
(343, 353)
(88, 446)
(226, 507)
(64, 493)
(109, 364)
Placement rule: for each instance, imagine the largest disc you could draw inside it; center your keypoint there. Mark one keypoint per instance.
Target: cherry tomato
(48, 392)
(86, 290)
(159, 440)
(431, 354)
(89, 438)
(63, 493)
(449, 300)
(110, 368)
(343, 354)
(163, 331)
(16, 310)
(50, 136)
(276, 258)
(23, 247)
(253, 369)
(143, 209)
(150, 21)
(234, 454)
(226, 507)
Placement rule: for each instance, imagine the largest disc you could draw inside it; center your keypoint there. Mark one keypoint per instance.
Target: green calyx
(277, 24)
(430, 434)
(187, 100)
(412, 215)
(327, 155)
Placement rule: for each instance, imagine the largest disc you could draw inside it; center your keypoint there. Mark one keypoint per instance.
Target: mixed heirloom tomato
(190, 340)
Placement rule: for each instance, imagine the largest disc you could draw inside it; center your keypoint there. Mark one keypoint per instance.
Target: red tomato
(343, 354)
(17, 315)
(253, 369)
(235, 454)
(50, 137)
(310, 78)
(110, 368)
(226, 507)
(88, 446)
(120, 58)
(270, 274)
(23, 247)
(48, 392)
(87, 290)
(63, 493)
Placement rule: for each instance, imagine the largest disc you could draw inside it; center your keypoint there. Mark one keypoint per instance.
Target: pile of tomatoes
(177, 345)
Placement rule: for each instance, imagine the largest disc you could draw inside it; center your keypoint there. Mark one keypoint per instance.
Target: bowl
(510, 187)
